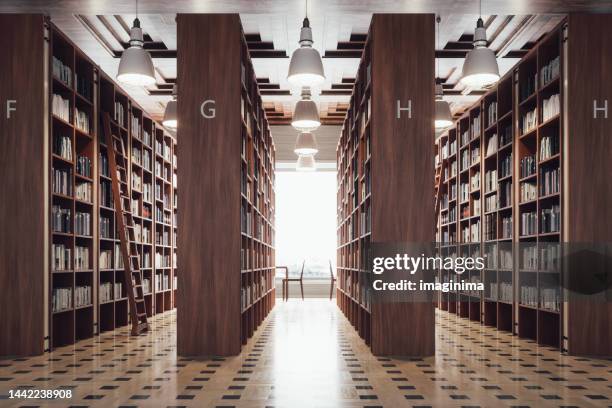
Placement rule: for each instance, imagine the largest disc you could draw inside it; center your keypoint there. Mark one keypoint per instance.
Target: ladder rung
(139, 300)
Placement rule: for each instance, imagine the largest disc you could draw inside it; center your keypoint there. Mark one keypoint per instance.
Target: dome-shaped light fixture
(306, 67)
(306, 144)
(170, 118)
(306, 114)
(136, 65)
(480, 67)
(443, 117)
(306, 163)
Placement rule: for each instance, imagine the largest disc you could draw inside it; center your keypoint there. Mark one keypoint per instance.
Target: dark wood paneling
(208, 301)
(402, 166)
(22, 158)
(588, 155)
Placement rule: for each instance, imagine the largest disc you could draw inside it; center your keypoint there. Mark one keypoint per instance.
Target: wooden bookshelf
(370, 210)
(522, 140)
(226, 248)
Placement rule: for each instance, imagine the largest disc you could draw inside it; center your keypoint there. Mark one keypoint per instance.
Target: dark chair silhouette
(333, 281)
(287, 279)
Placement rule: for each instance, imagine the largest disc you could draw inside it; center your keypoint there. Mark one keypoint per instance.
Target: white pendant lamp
(480, 67)
(306, 114)
(443, 116)
(136, 65)
(306, 144)
(306, 163)
(170, 119)
(306, 67)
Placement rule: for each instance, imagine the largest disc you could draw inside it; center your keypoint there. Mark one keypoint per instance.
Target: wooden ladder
(125, 225)
(438, 184)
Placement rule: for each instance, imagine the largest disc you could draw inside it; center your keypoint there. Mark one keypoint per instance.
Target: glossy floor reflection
(307, 355)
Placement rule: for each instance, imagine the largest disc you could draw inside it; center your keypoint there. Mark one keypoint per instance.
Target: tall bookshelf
(376, 145)
(226, 249)
(87, 293)
(524, 168)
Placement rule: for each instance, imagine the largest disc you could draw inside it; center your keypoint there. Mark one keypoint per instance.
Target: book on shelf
(475, 128)
(465, 137)
(529, 257)
(549, 146)
(104, 165)
(490, 227)
(105, 260)
(475, 231)
(118, 257)
(490, 180)
(550, 220)
(83, 191)
(61, 299)
(119, 115)
(505, 135)
(475, 181)
(550, 298)
(527, 166)
(62, 257)
(550, 179)
(491, 113)
(550, 71)
(551, 107)
(61, 219)
(506, 227)
(83, 86)
(475, 153)
(81, 120)
(491, 144)
(529, 121)
(529, 191)
(505, 292)
(105, 227)
(528, 85)
(529, 295)
(106, 292)
(505, 255)
(62, 146)
(82, 223)
(505, 165)
(465, 159)
(476, 207)
(60, 107)
(82, 296)
(118, 290)
(529, 222)
(61, 71)
(83, 166)
(62, 181)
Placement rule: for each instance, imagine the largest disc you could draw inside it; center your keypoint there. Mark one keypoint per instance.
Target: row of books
(505, 165)
(490, 227)
(505, 194)
(492, 145)
(505, 136)
(81, 120)
(83, 85)
(551, 107)
(62, 257)
(529, 223)
(61, 299)
(82, 223)
(475, 181)
(83, 166)
(83, 192)
(550, 71)
(81, 258)
(161, 282)
(61, 219)
(82, 296)
(505, 291)
(105, 227)
(61, 71)
(62, 146)
(60, 107)
(490, 180)
(106, 194)
(62, 181)
(506, 227)
(550, 220)
(104, 165)
(162, 261)
(527, 166)
(136, 128)
(529, 191)
(107, 293)
(549, 146)
(475, 128)
(491, 113)
(527, 86)
(119, 115)
(465, 159)
(550, 180)
(146, 286)
(529, 121)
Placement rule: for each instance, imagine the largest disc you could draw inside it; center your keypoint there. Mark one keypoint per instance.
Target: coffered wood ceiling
(272, 28)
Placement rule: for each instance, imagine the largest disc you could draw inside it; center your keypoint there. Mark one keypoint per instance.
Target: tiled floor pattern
(307, 355)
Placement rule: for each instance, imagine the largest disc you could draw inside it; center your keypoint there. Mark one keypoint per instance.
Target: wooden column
(24, 205)
(588, 164)
(208, 299)
(402, 172)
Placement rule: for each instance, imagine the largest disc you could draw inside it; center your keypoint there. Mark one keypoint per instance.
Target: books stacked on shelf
(61, 219)
(136, 182)
(505, 135)
(465, 211)
(490, 227)
(549, 181)
(135, 124)
(83, 166)
(492, 113)
(119, 113)
(505, 292)
(118, 257)
(551, 107)
(118, 290)
(550, 71)
(505, 194)
(475, 231)
(549, 257)
(136, 155)
(81, 258)
(60, 107)
(529, 191)
(162, 261)
(464, 192)
(505, 166)
(529, 222)
(83, 86)
(453, 168)
(62, 181)
(528, 166)
(550, 299)
(475, 181)
(146, 159)
(82, 223)
(492, 291)
(506, 227)
(106, 259)
(505, 258)
(62, 71)
(476, 207)
(62, 146)
(146, 137)
(465, 137)
(104, 169)
(465, 159)
(452, 147)
(550, 220)
(453, 191)
(161, 282)
(529, 121)
(106, 292)
(549, 146)
(83, 192)
(490, 180)
(492, 145)
(529, 296)
(475, 128)
(82, 296)
(81, 120)
(61, 299)
(146, 286)
(62, 257)
(146, 260)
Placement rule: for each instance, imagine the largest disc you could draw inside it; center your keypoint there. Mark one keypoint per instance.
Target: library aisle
(306, 354)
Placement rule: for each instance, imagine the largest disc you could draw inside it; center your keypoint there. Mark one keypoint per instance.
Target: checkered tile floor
(307, 355)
